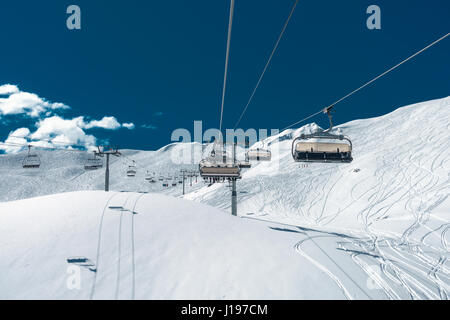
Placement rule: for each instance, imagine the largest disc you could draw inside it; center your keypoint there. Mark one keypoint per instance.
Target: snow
(318, 231)
(181, 250)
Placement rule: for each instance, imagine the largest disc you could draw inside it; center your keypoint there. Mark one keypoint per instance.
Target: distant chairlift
(217, 168)
(31, 161)
(131, 172)
(93, 163)
(150, 178)
(246, 163)
(259, 154)
(324, 148)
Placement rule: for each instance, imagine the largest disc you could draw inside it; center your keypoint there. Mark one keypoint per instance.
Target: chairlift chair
(216, 168)
(31, 160)
(324, 148)
(320, 151)
(219, 172)
(246, 163)
(93, 163)
(148, 176)
(131, 172)
(259, 154)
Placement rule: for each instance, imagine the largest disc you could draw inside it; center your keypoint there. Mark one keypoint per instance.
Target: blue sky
(159, 64)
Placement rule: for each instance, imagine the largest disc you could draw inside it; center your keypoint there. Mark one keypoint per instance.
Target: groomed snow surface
(377, 228)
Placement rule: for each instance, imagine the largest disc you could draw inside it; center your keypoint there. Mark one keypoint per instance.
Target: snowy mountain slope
(384, 217)
(406, 151)
(169, 249)
(397, 204)
(63, 171)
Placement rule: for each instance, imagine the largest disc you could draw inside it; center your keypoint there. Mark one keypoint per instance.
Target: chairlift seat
(259, 155)
(31, 161)
(131, 172)
(93, 164)
(322, 150)
(245, 164)
(214, 170)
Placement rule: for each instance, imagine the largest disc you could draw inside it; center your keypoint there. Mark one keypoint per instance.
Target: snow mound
(151, 246)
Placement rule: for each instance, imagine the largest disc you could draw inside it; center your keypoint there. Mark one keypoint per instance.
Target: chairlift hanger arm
(328, 111)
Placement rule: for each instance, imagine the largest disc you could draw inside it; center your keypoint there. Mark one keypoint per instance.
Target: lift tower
(107, 150)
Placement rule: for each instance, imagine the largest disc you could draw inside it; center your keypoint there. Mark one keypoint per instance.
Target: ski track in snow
(104, 269)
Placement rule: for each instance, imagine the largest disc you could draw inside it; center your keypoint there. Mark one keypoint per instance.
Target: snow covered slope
(63, 171)
(384, 217)
(168, 249)
(393, 198)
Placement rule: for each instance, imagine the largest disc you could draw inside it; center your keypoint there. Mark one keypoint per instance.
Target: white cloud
(21, 102)
(57, 132)
(16, 141)
(130, 126)
(8, 89)
(20, 133)
(105, 123)
(51, 130)
(60, 132)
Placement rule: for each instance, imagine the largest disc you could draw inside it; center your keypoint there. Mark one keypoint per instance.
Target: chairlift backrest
(31, 160)
(93, 163)
(322, 149)
(259, 155)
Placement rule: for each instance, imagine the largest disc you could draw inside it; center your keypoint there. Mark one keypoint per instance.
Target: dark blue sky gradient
(135, 58)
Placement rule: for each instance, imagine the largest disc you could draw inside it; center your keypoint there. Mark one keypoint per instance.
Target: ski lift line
(135, 163)
(14, 144)
(267, 64)
(230, 26)
(40, 147)
(11, 144)
(49, 140)
(369, 82)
